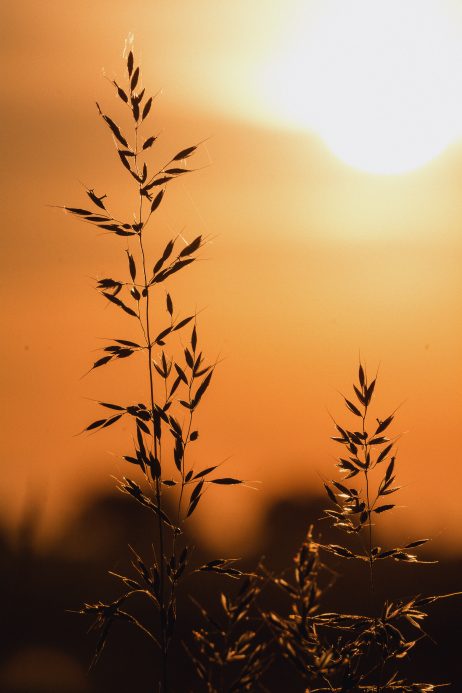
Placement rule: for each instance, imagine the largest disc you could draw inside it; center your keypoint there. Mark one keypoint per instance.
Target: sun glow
(379, 80)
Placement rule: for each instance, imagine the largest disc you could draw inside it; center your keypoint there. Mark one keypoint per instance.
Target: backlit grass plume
(327, 651)
(364, 651)
(164, 423)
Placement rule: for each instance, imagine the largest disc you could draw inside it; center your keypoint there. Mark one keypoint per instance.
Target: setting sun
(380, 82)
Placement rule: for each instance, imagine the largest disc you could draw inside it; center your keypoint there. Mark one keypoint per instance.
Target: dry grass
(164, 423)
(329, 651)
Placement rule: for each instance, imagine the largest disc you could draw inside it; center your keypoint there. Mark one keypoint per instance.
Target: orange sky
(311, 263)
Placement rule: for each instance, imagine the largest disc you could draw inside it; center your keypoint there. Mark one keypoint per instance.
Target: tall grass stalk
(363, 652)
(163, 424)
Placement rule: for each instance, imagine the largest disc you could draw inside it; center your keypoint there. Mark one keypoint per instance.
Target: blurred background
(317, 257)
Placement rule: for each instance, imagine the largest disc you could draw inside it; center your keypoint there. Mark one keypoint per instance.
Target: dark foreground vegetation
(45, 649)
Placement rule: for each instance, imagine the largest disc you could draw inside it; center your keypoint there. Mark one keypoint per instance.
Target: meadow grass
(329, 651)
(163, 424)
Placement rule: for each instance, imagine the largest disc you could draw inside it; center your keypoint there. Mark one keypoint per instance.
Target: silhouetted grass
(363, 651)
(163, 424)
(329, 651)
(239, 650)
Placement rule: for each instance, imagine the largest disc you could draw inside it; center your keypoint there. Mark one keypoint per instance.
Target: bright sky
(379, 81)
(314, 258)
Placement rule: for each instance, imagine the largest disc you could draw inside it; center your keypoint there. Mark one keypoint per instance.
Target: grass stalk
(183, 379)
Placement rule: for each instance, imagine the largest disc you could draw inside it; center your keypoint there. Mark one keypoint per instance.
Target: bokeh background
(311, 265)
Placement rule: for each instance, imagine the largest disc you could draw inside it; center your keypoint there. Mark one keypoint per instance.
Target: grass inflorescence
(164, 423)
(329, 651)
(240, 649)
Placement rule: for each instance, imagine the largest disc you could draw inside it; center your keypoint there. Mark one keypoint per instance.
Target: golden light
(379, 80)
